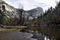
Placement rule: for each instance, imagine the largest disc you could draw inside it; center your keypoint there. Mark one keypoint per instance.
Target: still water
(16, 35)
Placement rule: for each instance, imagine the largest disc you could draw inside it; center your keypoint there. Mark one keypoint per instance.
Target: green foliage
(5, 20)
(52, 19)
(1, 16)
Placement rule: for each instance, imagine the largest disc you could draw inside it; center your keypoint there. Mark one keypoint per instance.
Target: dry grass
(15, 27)
(4, 30)
(11, 28)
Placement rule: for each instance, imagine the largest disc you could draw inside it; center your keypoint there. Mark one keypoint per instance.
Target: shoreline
(4, 30)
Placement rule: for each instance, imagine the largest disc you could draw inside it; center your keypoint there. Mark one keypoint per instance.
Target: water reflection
(15, 35)
(46, 38)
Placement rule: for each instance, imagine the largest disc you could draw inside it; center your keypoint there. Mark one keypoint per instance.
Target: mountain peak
(34, 12)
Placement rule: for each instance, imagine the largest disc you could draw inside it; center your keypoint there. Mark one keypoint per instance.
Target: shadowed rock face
(9, 10)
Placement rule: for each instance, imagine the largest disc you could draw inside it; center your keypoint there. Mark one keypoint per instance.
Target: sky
(30, 4)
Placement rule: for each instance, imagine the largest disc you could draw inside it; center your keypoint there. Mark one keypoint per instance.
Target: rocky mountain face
(34, 12)
(15, 16)
(13, 12)
(10, 11)
(8, 14)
